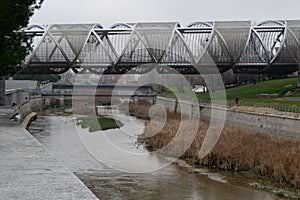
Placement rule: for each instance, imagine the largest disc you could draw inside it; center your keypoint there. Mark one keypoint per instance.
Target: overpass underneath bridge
(270, 47)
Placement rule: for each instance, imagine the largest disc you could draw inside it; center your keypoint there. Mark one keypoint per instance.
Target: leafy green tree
(14, 15)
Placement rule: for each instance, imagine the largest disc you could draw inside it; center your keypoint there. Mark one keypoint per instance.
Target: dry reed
(236, 149)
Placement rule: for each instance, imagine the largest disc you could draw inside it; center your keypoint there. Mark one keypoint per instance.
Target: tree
(14, 15)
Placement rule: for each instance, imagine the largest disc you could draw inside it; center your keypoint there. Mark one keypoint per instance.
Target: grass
(98, 124)
(280, 194)
(250, 92)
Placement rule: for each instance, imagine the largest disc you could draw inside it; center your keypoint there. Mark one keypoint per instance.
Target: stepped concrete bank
(29, 171)
(270, 122)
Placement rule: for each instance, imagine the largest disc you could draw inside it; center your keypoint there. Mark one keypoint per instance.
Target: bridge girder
(244, 47)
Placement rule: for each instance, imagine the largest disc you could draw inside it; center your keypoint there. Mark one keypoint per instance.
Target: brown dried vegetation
(236, 149)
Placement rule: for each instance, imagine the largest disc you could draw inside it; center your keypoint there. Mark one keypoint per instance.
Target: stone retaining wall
(281, 126)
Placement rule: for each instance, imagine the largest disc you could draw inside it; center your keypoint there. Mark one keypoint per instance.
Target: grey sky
(108, 12)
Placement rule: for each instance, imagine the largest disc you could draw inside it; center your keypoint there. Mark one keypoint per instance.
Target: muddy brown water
(107, 180)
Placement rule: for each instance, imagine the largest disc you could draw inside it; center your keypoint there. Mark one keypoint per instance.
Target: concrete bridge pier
(47, 102)
(61, 101)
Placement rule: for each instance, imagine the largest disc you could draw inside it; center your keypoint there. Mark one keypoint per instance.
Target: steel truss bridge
(244, 47)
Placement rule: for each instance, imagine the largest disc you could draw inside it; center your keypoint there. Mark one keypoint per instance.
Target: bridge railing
(255, 106)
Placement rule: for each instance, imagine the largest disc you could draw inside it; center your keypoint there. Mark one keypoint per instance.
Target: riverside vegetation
(236, 149)
(99, 123)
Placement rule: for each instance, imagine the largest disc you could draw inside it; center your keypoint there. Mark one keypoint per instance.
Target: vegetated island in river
(99, 123)
(257, 157)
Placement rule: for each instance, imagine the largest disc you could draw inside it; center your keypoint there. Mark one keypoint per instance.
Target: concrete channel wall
(16, 97)
(36, 103)
(29, 171)
(276, 124)
(24, 110)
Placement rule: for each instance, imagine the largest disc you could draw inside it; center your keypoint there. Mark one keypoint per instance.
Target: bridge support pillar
(47, 102)
(61, 101)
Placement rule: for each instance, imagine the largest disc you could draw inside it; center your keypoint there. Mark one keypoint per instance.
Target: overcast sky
(108, 12)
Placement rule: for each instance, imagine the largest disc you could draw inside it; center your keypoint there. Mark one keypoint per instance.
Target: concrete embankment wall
(36, 103)
(29, 171)
(276, 125)
(23, 110)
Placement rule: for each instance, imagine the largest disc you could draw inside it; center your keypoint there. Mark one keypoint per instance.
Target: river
(63, 138)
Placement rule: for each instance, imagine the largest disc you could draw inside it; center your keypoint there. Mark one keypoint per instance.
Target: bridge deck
(201, 47)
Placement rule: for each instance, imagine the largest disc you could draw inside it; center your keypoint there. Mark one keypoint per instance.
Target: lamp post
(298, 75)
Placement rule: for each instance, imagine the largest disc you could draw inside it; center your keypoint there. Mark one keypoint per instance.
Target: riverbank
(29, 171)
(59, 134)
(251, 154)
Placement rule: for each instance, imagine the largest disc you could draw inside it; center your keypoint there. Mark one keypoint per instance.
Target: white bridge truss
(267, 47)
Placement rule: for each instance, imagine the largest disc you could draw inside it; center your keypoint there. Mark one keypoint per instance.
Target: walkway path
(29, 171)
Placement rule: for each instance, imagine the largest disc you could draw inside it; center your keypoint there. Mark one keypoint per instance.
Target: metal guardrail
(277, 107)
(232, 104)
(97, 95)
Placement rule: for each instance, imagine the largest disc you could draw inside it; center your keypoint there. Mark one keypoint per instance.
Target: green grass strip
(99, 123)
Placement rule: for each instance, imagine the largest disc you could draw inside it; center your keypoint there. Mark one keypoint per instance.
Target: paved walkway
(29, 171)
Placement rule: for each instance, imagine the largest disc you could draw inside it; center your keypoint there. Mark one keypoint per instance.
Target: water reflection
(59, 135)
